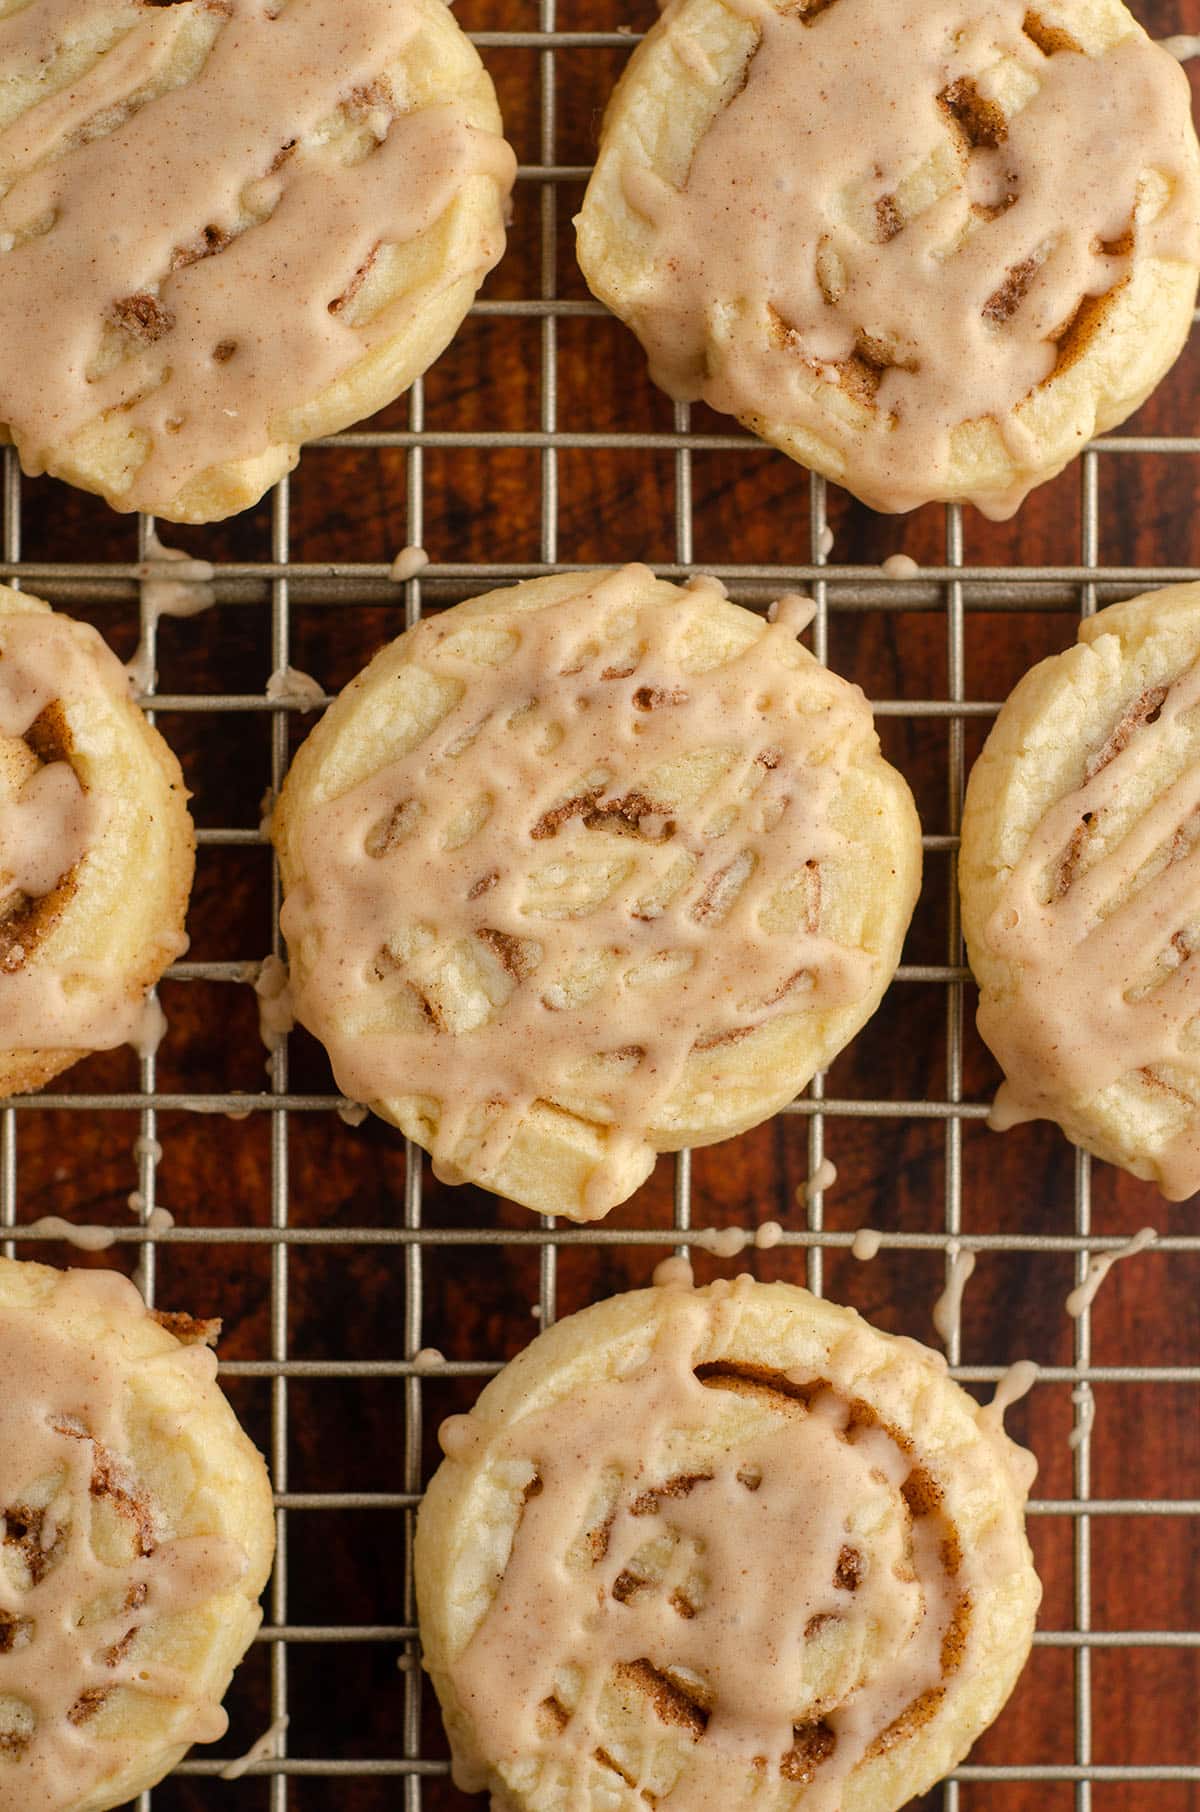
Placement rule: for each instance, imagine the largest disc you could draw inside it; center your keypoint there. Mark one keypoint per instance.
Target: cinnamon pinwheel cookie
(228, 226)
(926, 247)
(1080, 878)
(590, 869)
(726, 1548)
(136, 1533)
(96, 848)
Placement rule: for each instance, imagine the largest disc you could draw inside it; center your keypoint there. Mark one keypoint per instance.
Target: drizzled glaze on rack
(919, 203)
(70, 1619)
(709, 1595)
(668, 954)
(1101, 935)
(50, 824)
(178, 241)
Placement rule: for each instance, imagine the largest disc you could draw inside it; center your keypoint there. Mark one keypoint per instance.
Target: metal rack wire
(954, 589)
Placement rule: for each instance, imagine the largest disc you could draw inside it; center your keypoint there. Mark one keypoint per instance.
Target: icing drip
(674, 1273)
(1084, 1399)
(595, 964)
(768, 1236)
(1097, 931)
(725, 1242)
(199, 270)
(87, 1238)
(276, 1017)
(866, 1243)
(1184, 47)
(954, 191)
(185, 592)
(428, 1359)
(408, 563)
(637, 1568)
(50, 826)
(947, 1310)
(1084, 1294)
(1016, 1383)
(288, 686)
(823, 1177)
(71, 1615)
(268, 1747)
(901, 566)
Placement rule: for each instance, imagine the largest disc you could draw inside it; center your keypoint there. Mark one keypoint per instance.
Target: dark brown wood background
(346, 1301)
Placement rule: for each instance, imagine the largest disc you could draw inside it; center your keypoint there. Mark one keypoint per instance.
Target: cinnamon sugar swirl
(706, 1550)
(136, 1533)
(228, 226)
(589, 869)
(1080, 875)
(96, 848)
(926, 247)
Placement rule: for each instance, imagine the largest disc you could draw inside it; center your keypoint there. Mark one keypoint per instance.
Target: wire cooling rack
(337, 1280)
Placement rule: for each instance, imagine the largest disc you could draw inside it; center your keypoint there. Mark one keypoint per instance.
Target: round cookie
(228, 227)
(926, 247)
(722, 1549)
(1080, 878)
(96, 848)
(589, 869)
(136, 1533)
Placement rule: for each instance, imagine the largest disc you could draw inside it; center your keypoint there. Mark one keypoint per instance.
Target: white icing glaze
(1016, 1383)
(428, 1359)
(1105, 985)
(863, 209)
(674, 1273)
(288, 686)
(63, 1414)
(725, 1242)
(901, 566)
(754, 1557)
(1084, 1399)
(866, 1244)
(768, 1236)
(687, 891)
(171, 584)
(1083, 1295)
(87, 1238)
(823, 1177)
(210, 231)
(947, 1310)
(276, 1017)
(408, 563)
(48, 834)
(268, 1745)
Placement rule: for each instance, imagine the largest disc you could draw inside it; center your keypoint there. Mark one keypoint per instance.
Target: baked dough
(136, 1533)
(720, 1549)
(96, 847)
(589, 869)
(926, 247)
(229, 226)
(1080, 877)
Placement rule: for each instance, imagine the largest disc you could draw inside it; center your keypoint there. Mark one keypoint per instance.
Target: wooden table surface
(346, 1301)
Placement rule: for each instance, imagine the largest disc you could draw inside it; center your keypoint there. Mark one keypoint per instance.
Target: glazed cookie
(926, 247)
(721, 1549)
(229, 226)
(136, 1533)
(1080, 875)
(590, 869)
(96, 848)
